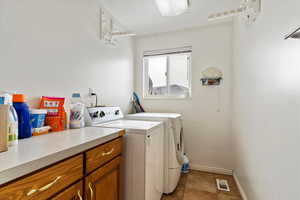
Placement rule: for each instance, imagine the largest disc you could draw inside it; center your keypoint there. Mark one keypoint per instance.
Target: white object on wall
(211, 76)
(248, 10)
(212, 72)
(110, 28)
(294, 35)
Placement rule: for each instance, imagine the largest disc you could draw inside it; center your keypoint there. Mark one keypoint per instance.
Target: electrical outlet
(92, 92)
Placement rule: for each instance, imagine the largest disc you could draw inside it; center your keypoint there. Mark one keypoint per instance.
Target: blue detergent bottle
(23, 113)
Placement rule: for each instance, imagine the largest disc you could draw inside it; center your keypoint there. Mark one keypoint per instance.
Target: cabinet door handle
(91, 190)
(79, 195)
(46, 187)
(31, 192)
(108, 153)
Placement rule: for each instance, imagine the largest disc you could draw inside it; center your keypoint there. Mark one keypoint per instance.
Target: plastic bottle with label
(22, 110)
(12, 122)
(186, 164)
(77, 107)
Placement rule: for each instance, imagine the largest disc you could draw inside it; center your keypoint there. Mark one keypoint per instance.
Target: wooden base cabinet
(104, 183)
(91, 175)
(74, 192)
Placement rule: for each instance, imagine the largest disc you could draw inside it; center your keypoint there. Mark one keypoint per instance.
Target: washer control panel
(96, 115)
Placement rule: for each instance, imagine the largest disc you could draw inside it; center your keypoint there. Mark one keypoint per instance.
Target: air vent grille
(222, 185)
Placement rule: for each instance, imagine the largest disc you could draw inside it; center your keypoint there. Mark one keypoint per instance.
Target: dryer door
(178, 137)
(154, 164)
(175, 144)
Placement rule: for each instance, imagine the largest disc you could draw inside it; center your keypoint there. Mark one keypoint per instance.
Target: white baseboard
(242, 191)
(211, 169)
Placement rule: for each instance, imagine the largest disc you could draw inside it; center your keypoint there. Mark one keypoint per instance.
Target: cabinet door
(72, 193)
(104, 183)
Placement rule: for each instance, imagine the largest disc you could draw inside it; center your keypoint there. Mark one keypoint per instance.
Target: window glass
(167, 75)
(157, 73)
(178, 75)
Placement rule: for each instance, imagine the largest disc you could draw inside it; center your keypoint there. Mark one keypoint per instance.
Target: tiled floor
(202, 186)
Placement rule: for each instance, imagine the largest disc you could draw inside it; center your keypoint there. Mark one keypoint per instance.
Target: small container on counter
(37, 117)
(77, 115)
(41, 131)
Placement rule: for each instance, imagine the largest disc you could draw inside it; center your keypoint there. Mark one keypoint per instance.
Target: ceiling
(142, 16)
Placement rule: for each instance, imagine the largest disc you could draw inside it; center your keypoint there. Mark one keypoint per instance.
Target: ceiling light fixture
(172, 7)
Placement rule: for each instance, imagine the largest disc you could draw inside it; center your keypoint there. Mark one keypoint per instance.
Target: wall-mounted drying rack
(111, 29)
(294, 35)
(249, 10)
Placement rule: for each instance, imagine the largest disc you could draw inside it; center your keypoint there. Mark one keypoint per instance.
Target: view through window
(167, 75)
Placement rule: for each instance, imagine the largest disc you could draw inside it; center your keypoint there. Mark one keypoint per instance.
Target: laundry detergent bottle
(22, 109)
(12, 121)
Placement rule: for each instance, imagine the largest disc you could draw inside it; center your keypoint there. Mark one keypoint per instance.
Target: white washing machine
(143, 152)
(173, 145)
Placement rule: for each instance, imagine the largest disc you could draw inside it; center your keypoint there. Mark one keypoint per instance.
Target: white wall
(267, 103)
(207, 131)
(52, 48)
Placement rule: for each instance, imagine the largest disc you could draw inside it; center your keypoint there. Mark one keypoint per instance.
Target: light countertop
(40, 151)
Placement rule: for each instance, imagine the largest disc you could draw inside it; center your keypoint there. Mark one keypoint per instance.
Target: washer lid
(155, 115)
(132, 125)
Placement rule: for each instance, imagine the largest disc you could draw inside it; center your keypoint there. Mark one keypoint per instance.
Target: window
(167, 73)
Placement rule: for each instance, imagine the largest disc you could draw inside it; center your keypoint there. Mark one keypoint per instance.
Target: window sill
(166, 98)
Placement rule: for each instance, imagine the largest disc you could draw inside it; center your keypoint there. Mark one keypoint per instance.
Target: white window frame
(166, 52)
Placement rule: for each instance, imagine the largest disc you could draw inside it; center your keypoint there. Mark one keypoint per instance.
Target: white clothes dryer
(173, 145)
